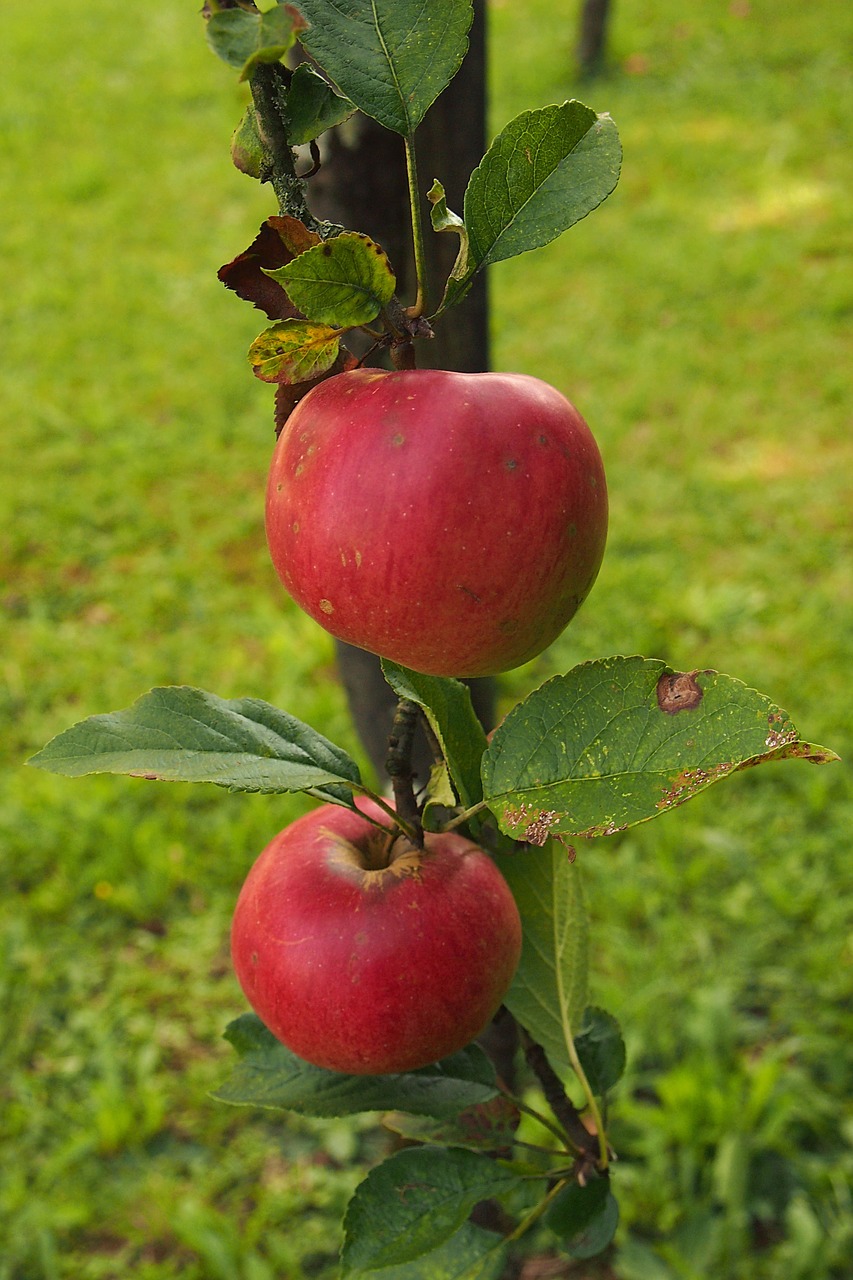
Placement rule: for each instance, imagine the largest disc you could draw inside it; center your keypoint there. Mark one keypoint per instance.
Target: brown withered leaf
(280, 240)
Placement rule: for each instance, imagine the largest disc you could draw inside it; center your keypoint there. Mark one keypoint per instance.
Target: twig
(398, 765)
(562, 1106)
(269, 94)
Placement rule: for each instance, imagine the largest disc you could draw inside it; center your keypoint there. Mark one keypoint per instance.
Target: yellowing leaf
(294, 351)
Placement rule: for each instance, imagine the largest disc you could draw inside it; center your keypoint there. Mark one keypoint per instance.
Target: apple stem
(408, 831)
(398, 766)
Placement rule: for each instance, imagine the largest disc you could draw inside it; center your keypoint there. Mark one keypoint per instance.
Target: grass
(699, 320)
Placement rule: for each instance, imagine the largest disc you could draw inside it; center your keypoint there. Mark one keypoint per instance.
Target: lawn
(701, 322)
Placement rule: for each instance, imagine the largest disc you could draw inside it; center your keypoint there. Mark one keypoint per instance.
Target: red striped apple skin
(451, 522)
(370, 969)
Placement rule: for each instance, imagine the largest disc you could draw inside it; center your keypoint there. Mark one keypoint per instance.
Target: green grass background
(701, 321)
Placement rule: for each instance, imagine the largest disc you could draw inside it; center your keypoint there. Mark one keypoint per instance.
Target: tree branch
(269, 84)
(398, 764)
(562, 1106)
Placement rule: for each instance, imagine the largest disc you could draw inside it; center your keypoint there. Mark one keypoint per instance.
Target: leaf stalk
(418, 242)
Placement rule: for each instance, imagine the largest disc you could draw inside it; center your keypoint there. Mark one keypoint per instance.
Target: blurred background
(701, 322)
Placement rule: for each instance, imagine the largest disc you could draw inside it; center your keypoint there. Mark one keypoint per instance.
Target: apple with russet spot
(451, 522)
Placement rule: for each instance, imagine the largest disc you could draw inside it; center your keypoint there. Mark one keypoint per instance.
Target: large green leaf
(543, 173)
(414, 1201)
(584, 1217)
(269, 1075)
(392, 58)
(549, 991)
(621, 740)
(471, 1253)
(488, 1126)
(344, 281)
(447, 706)
(180, 734)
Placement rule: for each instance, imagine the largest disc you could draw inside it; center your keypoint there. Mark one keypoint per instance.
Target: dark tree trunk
(593, 36)
(362, 185)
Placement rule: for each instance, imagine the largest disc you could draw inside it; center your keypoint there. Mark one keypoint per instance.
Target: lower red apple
(366, 955)
(451, 522)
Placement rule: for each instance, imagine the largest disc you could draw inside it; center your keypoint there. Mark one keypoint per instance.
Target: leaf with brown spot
(345, 282)
(294, 351)
(621, 740)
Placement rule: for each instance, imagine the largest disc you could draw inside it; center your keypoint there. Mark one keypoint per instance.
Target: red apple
(365, 955)
(452, 522)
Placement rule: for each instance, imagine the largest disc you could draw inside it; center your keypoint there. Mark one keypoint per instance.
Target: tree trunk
(593, 35)
(362, 185)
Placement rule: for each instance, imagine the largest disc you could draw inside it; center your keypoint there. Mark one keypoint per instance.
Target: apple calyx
(381, 856)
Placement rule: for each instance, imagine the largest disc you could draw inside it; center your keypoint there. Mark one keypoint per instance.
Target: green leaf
(414, 1201)
(313, 106)
(471, 1253)
(440, 798)
(447, 706)
(244, 39)
(546, 170)
(294, 351)
(269, 1075)
(585, 1218)
(601, 1050)
(346, 281)
(247, 150)
(549, 991)
(179, 734)
(488, 1126)
(392, 58)
(443, 219)
(621, 740)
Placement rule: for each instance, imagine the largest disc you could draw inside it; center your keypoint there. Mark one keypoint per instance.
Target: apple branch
(268, 84)
(398, 766)
(586, 1143)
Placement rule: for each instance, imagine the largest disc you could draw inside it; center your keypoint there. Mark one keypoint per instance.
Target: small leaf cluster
(467, 1146)
(390, 59)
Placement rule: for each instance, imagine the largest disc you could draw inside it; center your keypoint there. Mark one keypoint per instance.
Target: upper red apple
(451, 522)
(364, 954)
